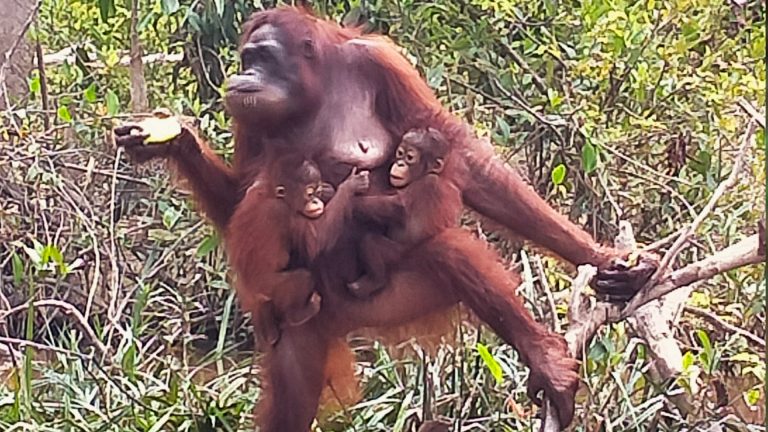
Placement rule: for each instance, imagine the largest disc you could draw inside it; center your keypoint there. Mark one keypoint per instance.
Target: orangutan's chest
(353, 135)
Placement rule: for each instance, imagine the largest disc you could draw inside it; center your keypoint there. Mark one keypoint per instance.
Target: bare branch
(41, 347)
(586, 319)
(716, 320)
(750, 109)
(743, 253)
(584, 324)
(139, 101)
(68, 309)
(68, 55)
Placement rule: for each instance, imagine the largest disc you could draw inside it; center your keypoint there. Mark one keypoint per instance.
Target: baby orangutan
(281, 225)
(431, 201)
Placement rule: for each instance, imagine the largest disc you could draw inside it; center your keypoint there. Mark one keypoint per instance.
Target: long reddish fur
(403, 101)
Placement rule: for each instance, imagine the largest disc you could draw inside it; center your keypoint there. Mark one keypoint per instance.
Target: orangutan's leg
(293, 378)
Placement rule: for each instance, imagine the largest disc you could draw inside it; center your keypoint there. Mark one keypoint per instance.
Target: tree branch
(716, 320)
(586, 317)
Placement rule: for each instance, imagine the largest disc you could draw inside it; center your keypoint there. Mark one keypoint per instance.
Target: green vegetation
(611, 108)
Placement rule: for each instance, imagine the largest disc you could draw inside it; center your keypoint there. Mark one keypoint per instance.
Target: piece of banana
(161, 128)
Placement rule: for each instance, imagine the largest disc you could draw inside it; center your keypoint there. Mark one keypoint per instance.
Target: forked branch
(586, 316)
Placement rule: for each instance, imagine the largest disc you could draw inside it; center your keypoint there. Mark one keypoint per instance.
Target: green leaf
(745, 357)
(90, 93)
(113, 103)
(208, 244)
(505, 129)
(399, 425)
(170, 6)
(106, 9)
(558, 174)
(160, 424)
(435, 75)
(18, 268)
(52, 254)
(752, 396)
(491, 362)
(688, 359)
(129, 361)
(195, 22)
(170, 217)
(588, 158)
(63, 114)
(702, 163)
(34, 85)
(554, 98)
(705, 343)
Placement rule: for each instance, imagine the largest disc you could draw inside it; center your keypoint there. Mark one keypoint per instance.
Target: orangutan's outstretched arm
(214, 185)
(495, 190)
(498, 192)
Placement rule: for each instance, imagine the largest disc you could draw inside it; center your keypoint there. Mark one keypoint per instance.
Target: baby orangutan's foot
(305, 313)
(555, 373)
(365, 286)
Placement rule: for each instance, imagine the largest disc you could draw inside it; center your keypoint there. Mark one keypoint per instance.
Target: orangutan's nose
(364, 147)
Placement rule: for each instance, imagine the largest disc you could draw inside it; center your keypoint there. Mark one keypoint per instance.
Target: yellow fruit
(633, 258)
(160, 130)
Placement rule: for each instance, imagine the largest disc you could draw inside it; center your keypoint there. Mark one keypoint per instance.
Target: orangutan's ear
(437, 166)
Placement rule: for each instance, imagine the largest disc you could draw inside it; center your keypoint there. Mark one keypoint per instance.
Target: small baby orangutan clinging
(279, 227)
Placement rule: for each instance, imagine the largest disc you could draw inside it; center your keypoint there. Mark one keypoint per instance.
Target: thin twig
(536, 79)
(661, 242)
(548, 293)
(87, 222)
(106, 173)
(653, 171)
(750, 109)
(115, 273)
(614, 203)
(43, 84)
(520, 103)
(41, 347)
(662, 185)
(716, 320)
(68, 309)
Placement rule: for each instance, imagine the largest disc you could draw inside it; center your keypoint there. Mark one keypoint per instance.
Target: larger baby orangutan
(343, 100)
(424, 204)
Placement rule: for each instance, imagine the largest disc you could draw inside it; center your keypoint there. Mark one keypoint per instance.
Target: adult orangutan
(343, 99)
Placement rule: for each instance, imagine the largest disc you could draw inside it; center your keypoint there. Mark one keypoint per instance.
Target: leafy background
(610, 108)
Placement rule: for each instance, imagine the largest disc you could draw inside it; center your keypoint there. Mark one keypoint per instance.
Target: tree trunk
(15, 14)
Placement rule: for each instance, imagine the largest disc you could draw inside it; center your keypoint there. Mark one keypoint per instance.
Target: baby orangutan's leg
(378, 253)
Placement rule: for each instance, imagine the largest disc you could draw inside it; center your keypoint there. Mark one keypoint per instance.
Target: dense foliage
(613, 109)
